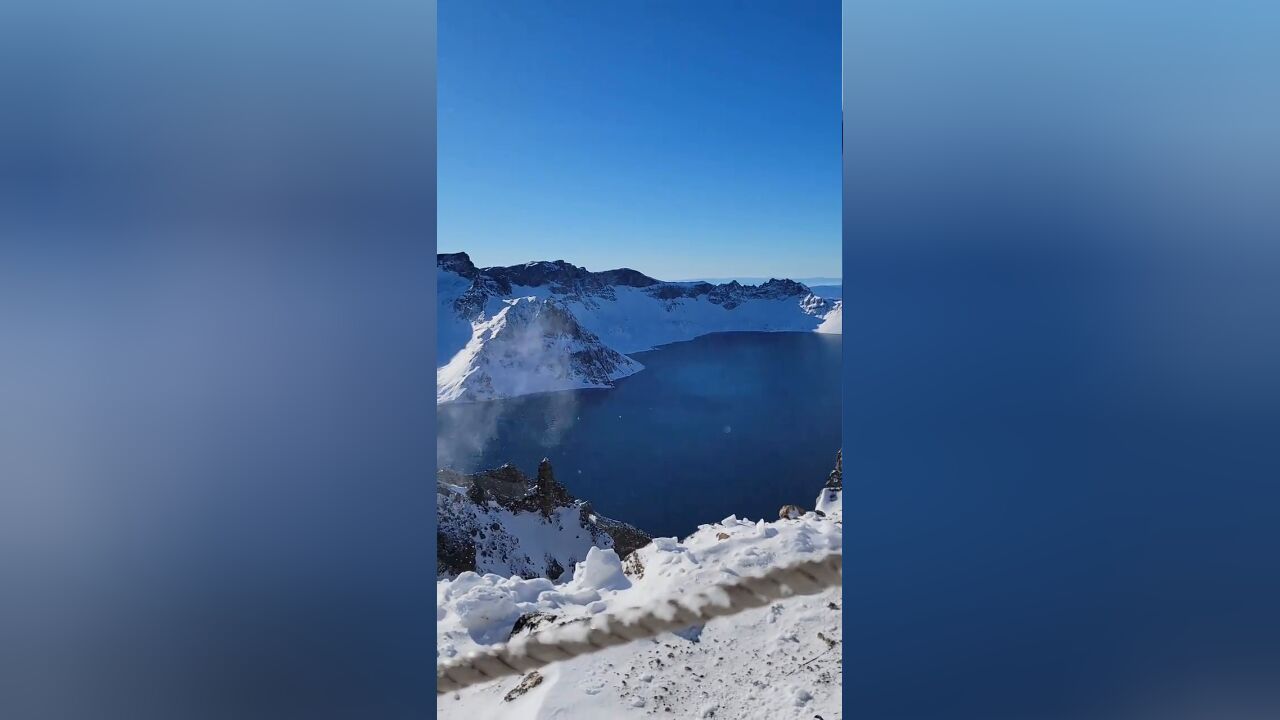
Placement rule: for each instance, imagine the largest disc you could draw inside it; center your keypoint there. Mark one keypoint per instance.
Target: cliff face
(502, 521)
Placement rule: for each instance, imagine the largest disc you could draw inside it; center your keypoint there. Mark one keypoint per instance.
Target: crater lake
(726, 424)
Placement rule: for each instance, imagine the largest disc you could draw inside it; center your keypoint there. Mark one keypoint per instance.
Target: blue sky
(683, 139)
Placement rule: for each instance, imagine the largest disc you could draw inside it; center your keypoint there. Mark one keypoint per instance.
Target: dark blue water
(730, 423)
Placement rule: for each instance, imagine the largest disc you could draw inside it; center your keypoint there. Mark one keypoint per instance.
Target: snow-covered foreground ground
(780, 661)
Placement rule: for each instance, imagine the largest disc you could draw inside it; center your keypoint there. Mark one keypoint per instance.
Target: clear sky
(682, 139)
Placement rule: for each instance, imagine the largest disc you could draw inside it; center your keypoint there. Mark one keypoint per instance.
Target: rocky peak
(566, 278)
(830, 498)
(512, 489)
(784, 288)
(548, 493)
(835, 479)
(471, 535)
(627, 277)
(459, 263)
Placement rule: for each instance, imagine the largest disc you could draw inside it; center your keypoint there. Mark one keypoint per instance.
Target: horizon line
(702, 278)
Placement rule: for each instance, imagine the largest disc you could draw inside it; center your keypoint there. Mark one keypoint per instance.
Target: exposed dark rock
(530, 622)
(835, 479)
(834, 486)
(503, 484)
(459, 263)
(477, 494)
(455, 552)
(550, 494)
(527, 683)
(790, 512)
(468, 530)
(626, 538)
(632, 566)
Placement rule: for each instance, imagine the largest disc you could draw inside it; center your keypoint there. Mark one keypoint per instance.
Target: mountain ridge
(616, 311)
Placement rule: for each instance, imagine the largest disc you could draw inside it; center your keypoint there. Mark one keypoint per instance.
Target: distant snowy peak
(552, 325)
(565, 279)
(529, 346)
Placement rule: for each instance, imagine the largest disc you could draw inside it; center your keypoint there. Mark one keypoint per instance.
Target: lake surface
(728, 423)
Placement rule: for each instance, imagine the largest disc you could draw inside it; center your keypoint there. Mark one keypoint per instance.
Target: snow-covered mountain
(501, 521)
(530, 345)
(546, 314)
(781, 661)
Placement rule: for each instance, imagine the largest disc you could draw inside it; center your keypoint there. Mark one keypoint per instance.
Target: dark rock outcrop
(530, 622)
(527, 683)
(633, 566)
(790, 512)
(835, 479)
(470, 508)
(459, 263)
(830, 497)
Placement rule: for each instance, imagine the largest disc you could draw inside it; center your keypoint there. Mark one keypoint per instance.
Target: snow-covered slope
(529, 346)
(833, 323)
(501, 521)
(777, 662)
(622, 309)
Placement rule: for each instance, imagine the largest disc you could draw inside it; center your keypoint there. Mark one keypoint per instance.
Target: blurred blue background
(1061, 393)
(216, 423)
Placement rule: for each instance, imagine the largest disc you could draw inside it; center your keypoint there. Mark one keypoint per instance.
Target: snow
(452, 330)
(830, 501)
(521, 543)
(833, 323)
(624, 319)
(526, 347)
(780, 661)
(601, 569)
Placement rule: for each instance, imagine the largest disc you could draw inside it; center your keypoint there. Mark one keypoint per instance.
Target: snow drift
(779, 661)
